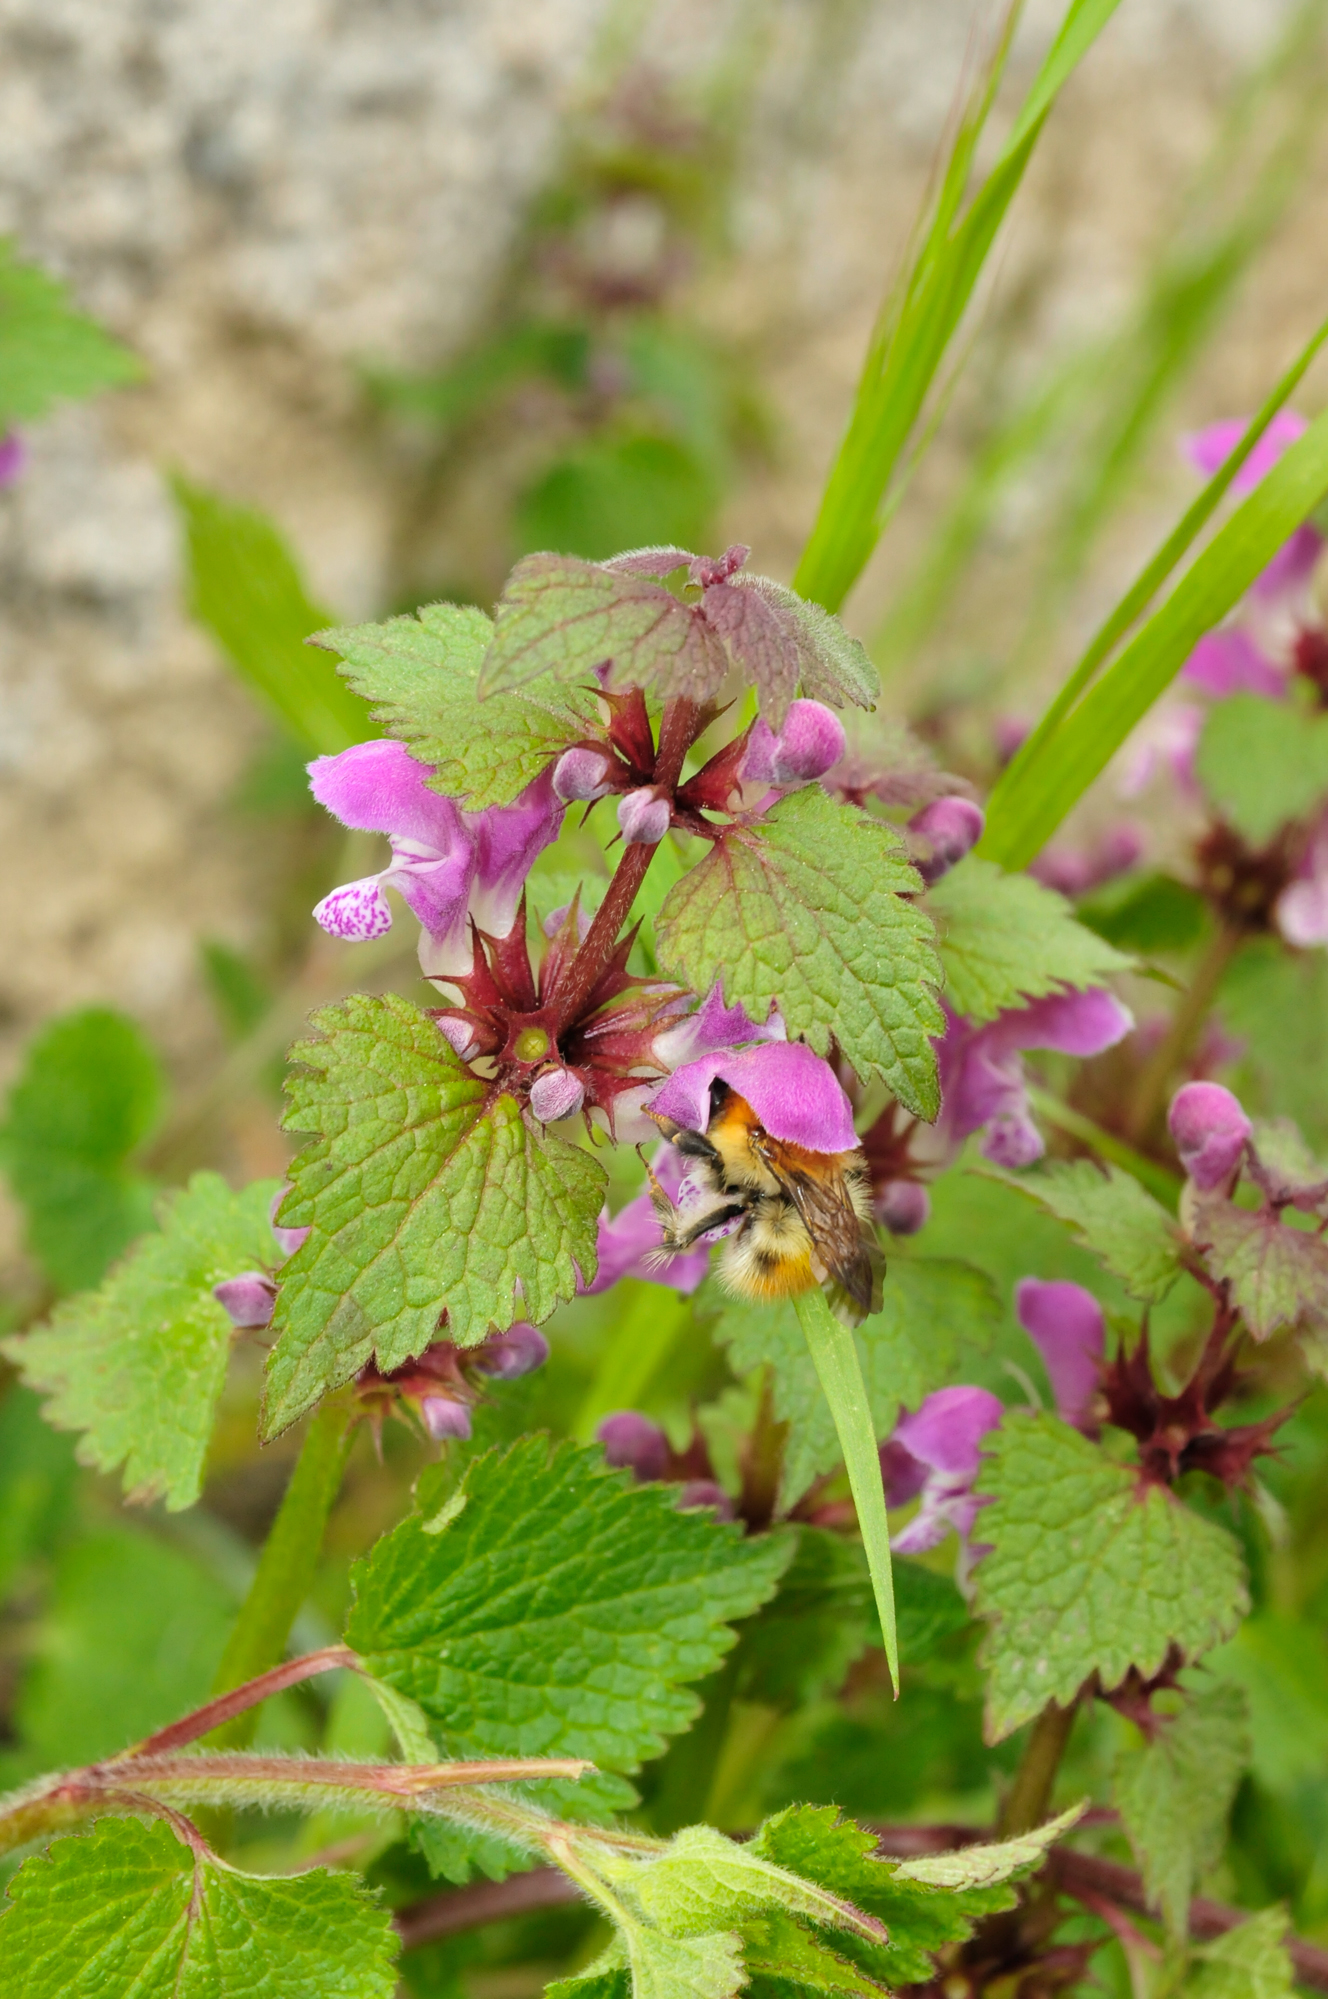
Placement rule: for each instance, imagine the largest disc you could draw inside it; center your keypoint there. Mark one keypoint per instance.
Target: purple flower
(579, 776)
(634, 1442)
(1301, 912)
(556, 1094)
(1257, 647)
(643, 817)
(248, 1298)
(1210, 1130)
(520, 1350)
(681, 1039)
(1065, 1324)
(631, 1239)
(694, 1492)
(13, 457)
(982, 1070)
(287, 1240)
(795, 1095)
(902, 1206)
(810, 743)
(943, 1437)
(448, 865)
(946, 830)
(444, 1418)
(1073, 871)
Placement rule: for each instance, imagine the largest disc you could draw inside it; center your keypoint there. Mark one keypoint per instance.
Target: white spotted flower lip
(449, 866)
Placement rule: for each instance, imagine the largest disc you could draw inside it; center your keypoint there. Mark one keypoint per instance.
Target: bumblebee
(792, 1218)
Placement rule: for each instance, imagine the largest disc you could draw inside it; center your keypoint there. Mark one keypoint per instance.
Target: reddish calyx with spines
(1177, 1433)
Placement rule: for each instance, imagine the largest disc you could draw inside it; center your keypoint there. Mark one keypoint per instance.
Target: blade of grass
(1073, 744)
(835, 1352)
(924, 311)
(245, 588)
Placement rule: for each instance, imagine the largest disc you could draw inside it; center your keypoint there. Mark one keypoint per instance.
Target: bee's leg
(681, 1233)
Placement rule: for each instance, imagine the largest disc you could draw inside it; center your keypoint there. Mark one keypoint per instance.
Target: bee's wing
(842, 1242)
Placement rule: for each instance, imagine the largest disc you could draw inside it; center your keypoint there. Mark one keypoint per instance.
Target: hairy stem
(1183, 1032)
(286, 1566)
(1028, 1797)
(835, 1352)
(677, 733)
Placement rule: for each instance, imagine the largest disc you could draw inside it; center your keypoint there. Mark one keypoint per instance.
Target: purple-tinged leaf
(1278, 1275)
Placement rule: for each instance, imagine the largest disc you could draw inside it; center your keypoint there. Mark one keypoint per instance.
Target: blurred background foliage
(605, 405)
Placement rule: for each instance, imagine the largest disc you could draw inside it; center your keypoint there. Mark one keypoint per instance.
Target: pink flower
(1257, 647)
(982, 1070)
(1074, 871)
(795, 1095)
(810, 743)
(943, 1439)
(248, 1299)
(629, 1239)
(448, 865)
(680, 1039)
(944, 831)
(1065, 1324)
(1210, 1130)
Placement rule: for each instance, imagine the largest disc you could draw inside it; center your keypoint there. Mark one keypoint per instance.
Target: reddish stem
(226, 1706)
(677, 733)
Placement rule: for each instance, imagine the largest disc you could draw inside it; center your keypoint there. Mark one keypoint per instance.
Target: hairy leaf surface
(561, 616)
(420, 673)
(1107, 1210)
(1088, 1571)
(1249, 1962)
(1175, 1791)
(128, 1908)
(1278, 1274)
(804, 908)
(138, 1365)
(426, 1191)
(1005, 940)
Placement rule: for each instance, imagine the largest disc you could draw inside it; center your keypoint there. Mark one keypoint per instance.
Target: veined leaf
(1249, 1962)
(1005, 940)
(1278, 1275)
(1108, 1211)
(1175, 1790)
(245, 587)
(420, 673)
(138, 1365)
(804, 908)
(1088, 1571)
(129, 1908)
(1262, 763)
(427, 1191)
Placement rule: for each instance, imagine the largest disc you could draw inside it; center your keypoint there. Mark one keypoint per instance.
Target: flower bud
(950, 827)
(1065, 1324)
(810, 743)
(635, 1442)
(458, 1033)
(556, 1094)
(249, 1298)
(444, 1418)
(578, 776)
(643, 817)
(1210, 1130)
(556, 918)
(288, 1240)
(902, 1206)
(696, 1492)
(520, 1350)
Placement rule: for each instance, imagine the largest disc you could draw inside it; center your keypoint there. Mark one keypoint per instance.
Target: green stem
(1181, 1035)
(835, 1352)
(286, 1566)
(1027, 1800)
(1161, 1182)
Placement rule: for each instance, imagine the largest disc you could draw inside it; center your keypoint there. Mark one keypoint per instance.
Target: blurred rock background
(266, 201)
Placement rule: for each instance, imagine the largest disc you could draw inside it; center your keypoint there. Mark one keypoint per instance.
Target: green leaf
(1175, 1791)
(924, 311)
(814, 1842)
(47, 351)
(1276, 1002)
(986, 1866)
(704, 1882)
(931, 1309)
(420, 674)
(1262, 763)
(1005, 940)
(1278, 1275)
(1060, 761)
(1288, 1162)
(245, 587)
(550, 1608)
(89, 1093)
(1147, 913)
(1249, 1962)
(783, 1960)
(37, 1475)
(129, 1908)
(139, 1364)
(804, 908)
(426, 1191)
(1089, 1571)
(1107, 1211)
(130, 1640)
(708, 1967)
(564, 617)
